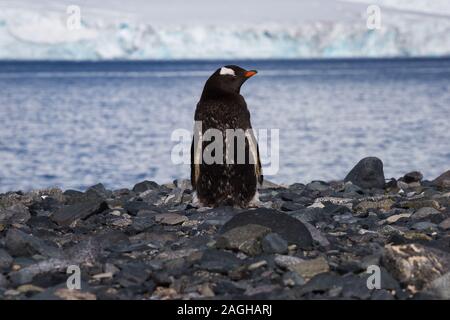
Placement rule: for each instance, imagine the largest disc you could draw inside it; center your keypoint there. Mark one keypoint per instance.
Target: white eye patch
(227, 71)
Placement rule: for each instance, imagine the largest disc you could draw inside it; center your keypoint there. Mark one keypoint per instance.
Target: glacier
(27, 34)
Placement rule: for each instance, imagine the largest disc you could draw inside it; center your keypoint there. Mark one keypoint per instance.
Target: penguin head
(227, 79)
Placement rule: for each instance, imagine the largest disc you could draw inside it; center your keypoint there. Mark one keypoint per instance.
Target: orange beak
(250, 73)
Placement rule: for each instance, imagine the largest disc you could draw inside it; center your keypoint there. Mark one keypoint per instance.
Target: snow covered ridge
(438, 7)
(45, 36)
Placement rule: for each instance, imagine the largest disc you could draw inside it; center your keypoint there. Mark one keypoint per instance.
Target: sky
(232, 11)
(205, 11)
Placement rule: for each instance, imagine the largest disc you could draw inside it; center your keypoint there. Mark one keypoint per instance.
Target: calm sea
(76, 124)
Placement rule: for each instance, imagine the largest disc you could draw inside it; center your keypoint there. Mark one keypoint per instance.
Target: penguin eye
(227, 71)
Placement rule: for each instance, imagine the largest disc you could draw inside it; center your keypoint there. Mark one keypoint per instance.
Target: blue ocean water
(72, 125)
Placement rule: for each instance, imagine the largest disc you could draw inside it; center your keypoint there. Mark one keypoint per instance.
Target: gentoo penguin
(230, 178)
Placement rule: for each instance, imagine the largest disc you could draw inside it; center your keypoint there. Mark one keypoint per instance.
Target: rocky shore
(322, 240)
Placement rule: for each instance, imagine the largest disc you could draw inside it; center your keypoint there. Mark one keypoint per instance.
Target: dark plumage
(222, 107)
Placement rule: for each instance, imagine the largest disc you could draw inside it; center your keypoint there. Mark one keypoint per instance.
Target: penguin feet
(196, 203)
(255, 202)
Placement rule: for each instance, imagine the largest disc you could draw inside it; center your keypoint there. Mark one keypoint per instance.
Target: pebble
(424, 213)
(445, 225)
(273, 243)
(439, 288)
(423, 226)
(151, 243)
(5, 259)
(364, 206)
(414, 264)
(367, 174)
(289, 228)
(247, 238)
(414, 176)
(443, 181)
(394, 218)
(257, 265)
(219, 261)
(71, 213)
(309, 268)
(292, 279)
(285, 261)
(170, 218)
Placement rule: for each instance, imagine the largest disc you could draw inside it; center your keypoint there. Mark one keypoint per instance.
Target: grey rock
(214, 217)
(355, 287)
(317, 235)
(110, 268)
(289, 228)
(291, 206)
(320, 283)
(170, 218)
(365, 205)
(143, 221)
(351, 190)
(414, 176)
(171, 246)
(292, 279)
(89, 249)
(246, 238)
(61, 292)
(125, 247)
(388, 282)
(402, 185)
(287, 262)
(334, 209)
(273, 243)
(98, 191)
(347, 218)
(309, 214)
(423, 226)
(445, 225)
(219, 261)
(319, 186)
(162, 278)
(68, 214)
(309, 268)
(5, 259)
(424, 213)
(439, 288)
(133, 207)
(226, 287)
(145, 186)
(27, 274)
(381, 294)
(41, 222)
(263, 292)
(290, 196)
(133, 274)
(297, 187)
(443, 181)
(20, 243)
(367, 174)
(414, 264)
(420, 203)
(3, 282)
(182, 184)
(175, 197)
(373, 259)
(17, 213)
(73, 196)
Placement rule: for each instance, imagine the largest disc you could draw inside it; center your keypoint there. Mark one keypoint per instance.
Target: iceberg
(27, 34)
